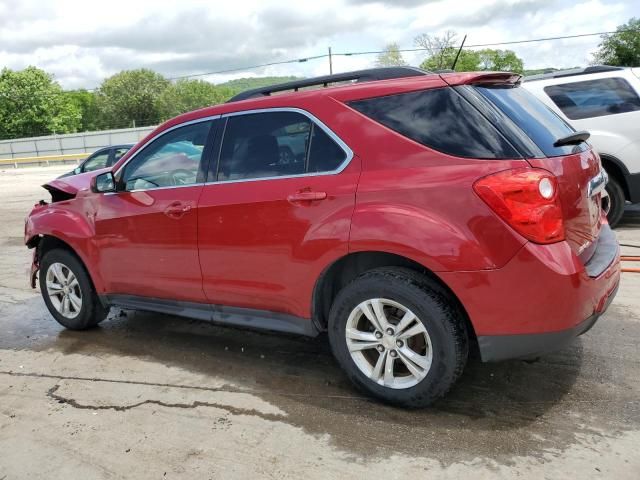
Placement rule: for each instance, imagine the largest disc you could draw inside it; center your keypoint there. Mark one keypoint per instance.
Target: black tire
(434, 308)
(616, 202)
(91, 312)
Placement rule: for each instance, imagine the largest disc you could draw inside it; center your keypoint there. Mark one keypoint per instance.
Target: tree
(621, 48)
(32, 104)
(442, 51)
(500, 60)
(390, 57)
(186, 95)
(87, 104)
(129, 97)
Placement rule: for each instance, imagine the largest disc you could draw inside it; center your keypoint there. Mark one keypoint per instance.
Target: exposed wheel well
(613, 168)
(45, 243)
(347, 268)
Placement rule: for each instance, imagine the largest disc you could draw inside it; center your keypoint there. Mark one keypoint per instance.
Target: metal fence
(68, 147)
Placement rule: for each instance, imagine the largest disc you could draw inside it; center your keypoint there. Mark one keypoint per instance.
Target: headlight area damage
(64, 220)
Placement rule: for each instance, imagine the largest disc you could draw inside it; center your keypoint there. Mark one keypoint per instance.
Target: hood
(66, 188)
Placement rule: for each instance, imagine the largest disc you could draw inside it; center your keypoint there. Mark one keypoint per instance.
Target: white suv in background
(605, 101)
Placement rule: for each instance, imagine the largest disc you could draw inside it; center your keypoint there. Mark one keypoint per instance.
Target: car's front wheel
(398, 336)
(68, 292)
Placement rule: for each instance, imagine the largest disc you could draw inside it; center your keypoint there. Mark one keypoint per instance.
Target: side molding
(218, 314)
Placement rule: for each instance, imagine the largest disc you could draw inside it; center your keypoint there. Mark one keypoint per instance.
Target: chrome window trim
(155, 137)
(345, 148)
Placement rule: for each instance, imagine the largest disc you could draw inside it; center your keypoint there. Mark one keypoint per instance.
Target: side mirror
(103, 183)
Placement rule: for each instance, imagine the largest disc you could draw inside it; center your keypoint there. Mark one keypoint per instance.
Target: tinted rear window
(533, 117)
(594, 98)
(440, 119)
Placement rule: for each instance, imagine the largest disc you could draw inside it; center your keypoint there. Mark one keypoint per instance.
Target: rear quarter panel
(419, 203)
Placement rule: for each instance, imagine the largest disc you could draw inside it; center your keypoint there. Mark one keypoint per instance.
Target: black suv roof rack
(369, 75)
(572, 72)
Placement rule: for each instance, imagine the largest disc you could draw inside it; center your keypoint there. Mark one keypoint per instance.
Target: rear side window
(539, 122)
(276, 144)
(594, 98)
(440, 119)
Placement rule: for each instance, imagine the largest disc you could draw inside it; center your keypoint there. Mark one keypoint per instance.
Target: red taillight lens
(527, 199)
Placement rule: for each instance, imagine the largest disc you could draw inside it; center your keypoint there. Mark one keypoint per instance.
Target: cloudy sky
(82, 42)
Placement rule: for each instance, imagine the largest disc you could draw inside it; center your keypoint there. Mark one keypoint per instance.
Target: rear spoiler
(482, 78)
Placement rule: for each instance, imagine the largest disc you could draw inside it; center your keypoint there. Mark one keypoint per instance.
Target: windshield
(533, 117)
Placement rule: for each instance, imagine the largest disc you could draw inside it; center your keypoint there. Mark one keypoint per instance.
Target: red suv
(413, 216)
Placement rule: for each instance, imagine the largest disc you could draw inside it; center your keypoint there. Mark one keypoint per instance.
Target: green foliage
(621, 48)
(468, 61)
(32, 103)
(86, 103)
(500, 60)
(131, 96)
(186, 95)
(242, 84)
(390, 57)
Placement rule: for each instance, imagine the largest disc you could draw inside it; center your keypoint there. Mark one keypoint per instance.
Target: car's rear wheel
(615, 200)
(68, 292)
(398, 336)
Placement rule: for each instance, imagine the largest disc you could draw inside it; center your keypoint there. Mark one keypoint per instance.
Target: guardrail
(46, 159)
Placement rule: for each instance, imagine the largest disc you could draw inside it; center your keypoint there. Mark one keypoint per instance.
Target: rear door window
(276, 144)
(594, 98)
(534, 118)
(440, 119)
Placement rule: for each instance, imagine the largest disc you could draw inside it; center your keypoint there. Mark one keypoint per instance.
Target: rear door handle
(177, 210)
(306, 196)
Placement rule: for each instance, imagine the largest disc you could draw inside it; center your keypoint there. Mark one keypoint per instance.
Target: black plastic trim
(633, 183)
(369, 75)
(495, 348)
(223, 315)
(605, 253)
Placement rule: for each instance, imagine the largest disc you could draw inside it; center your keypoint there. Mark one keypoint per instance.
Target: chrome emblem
(597, 184)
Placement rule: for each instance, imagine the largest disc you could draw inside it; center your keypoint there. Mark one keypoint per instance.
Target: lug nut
(380, 348)
(393, 353)
(389, 331)
(378, 335)
(400, 344)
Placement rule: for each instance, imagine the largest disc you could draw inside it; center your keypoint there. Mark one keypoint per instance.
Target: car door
(276, 211)
(146, 232)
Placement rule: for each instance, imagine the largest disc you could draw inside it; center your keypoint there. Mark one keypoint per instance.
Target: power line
(370, 52)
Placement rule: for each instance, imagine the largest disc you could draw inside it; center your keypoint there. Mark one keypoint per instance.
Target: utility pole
(330, 62)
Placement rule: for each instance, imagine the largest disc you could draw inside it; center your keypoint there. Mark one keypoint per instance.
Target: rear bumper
(540, 300)
(494, 348)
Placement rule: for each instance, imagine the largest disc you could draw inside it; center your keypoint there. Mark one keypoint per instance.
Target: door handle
(177, 210)
(306, 196)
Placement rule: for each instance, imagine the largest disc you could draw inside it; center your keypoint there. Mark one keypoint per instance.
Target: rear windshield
(594, 98)
(440, 119)
(533, 117)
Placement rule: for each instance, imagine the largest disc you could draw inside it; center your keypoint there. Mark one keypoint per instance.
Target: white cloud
(83, 42)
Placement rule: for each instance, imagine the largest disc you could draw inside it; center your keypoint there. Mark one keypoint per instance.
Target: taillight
(527, 199)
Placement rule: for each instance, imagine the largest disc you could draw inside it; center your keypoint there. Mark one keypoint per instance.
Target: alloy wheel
(388, 343)
(64, 290)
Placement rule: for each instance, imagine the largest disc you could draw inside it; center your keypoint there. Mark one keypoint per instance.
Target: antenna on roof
(453, 66)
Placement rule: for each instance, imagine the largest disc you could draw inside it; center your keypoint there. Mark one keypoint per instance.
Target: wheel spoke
(371, 316)
(388, 371)
(406, 320)
(65, 305)
(354, 334)
(75, 301)
(358, 346)
(376, 373)
(53, 288)
(417, 329)
(57, 272)
(378, 308)
(419, 360)
(415, 370)
(71, 278)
